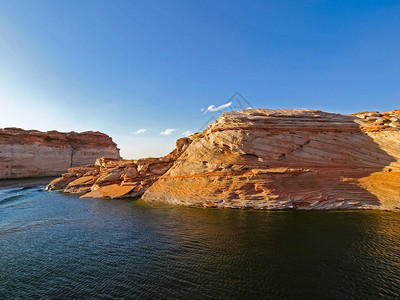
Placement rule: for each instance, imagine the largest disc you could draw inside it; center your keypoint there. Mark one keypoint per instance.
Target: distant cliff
(31, 153)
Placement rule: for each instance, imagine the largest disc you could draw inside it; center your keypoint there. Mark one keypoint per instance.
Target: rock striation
(288, 158)
(113, 178)
(263, 159)
(31, 153)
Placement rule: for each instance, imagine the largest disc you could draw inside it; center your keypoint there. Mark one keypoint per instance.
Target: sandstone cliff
(276, 159)
(112, 178)
(36, 154)
(263, 159)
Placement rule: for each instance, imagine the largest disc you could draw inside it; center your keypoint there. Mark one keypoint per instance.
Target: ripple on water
(12, 198)
(60, 246)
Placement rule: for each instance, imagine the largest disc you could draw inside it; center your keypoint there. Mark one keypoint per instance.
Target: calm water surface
(59, 246)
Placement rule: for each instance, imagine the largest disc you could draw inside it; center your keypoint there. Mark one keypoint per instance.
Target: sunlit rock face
(288, 158)
(113, 178)
(31, 153)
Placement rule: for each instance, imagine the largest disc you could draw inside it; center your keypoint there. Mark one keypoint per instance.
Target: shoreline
(25, 182)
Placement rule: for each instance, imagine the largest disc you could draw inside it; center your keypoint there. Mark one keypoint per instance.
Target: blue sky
(122, 66)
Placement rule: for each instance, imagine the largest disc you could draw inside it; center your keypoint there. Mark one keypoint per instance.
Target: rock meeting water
(54, 245)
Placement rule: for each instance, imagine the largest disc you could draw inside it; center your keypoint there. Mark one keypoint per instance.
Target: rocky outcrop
(37, 154)
(277, 159)
(112, 178)
(263, 159)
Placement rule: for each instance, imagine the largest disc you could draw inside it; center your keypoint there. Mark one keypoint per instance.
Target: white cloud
(217, 108)
(187, 133)
(143, 130)
(167, 131)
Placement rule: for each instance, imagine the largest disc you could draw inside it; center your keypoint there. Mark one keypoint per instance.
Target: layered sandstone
(31, 153)
(113, 178)
(277, 159)
(263, 159)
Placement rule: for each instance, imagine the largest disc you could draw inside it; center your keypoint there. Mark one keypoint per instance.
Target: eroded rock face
(277, 159)
(35, 154)
(113, 178)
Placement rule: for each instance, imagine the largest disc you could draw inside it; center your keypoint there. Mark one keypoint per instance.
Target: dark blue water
(59, 246)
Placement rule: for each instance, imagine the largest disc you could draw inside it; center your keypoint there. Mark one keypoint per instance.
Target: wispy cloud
(143, 130)
(167, 131)
(187, 133)
(217, 108)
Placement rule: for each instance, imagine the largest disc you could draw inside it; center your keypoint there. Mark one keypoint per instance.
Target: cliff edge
(32, 153)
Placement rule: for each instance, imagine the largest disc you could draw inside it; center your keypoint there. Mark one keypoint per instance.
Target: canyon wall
(37, 154)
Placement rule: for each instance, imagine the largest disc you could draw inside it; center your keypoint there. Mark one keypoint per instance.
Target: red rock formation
(276, 159)
(34, 154)
(263, 159)
(111, 178)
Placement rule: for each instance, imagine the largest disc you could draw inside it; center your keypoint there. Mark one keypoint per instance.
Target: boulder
(113, 178)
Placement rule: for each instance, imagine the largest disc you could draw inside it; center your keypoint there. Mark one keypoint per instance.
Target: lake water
(59, 246)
